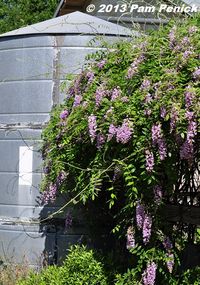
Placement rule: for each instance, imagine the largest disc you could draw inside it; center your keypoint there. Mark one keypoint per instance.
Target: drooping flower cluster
(92, 125)
(124, 132)
(187, 149)
(100, 140)
(49, 195)
(172, 37)
(189, 97)
(193, 29)
(133, 69)
(167, 243)
(163, 112)
(77, 100)
(156, 133)
(144, 222)
(149, 161)
(111, 132)
(146, 229)
(149, 275)
(158, 139)
(90, 76)
(145, 85)
(99, 95)
(170, 256)
(174, 119)
(101, 64)
(196, 73)
(140, 214)
(115, 93)
(64, 114)
(170, 261)
(130, 238)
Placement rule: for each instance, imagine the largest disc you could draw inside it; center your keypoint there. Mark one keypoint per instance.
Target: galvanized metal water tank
(34, 60)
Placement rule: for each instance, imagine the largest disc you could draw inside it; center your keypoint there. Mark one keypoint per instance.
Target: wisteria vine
(130, 126)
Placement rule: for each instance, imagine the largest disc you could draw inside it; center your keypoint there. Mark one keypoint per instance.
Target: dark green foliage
(20, 13)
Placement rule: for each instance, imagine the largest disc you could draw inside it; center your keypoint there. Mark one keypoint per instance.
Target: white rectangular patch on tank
(25, 165)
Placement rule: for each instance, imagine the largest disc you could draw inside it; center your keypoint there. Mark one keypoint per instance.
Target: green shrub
(79, 268)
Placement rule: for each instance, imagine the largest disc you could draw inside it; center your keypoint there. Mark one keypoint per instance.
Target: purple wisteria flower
(158, 139)
(158, 194)
(116, 93)
(163, 112)
(196, 73)
(177, 48)
(185, 41)
(191, 132)
(167, 243)
(162, 149)
(174, 119)
(189, 97)
(170, 262)
(109, 112)
(85, 104)
(189, 115)
(130, 238)
(145, 85)
(71, 92)
(193, 29)
(77, 84)
(64, 114)
(149, 275)
(186, 151)
(90, 76)
(140, 215)
(187, 54)
(146, 229)
(49, 195)
(101, 64)
(92, 125)
(172, 37)
(100, 140)
(124, 99)
(112, 132)
(149, 161)
(147, 112)
(124, 132)
(77, 101)
(133, 69)
(100, 93)
(148, 98)
(156, 133)
(61, 177)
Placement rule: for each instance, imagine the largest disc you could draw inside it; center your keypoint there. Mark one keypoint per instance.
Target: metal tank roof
(74, 23)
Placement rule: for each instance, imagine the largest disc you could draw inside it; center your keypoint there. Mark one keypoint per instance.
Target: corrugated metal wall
(32, 68)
